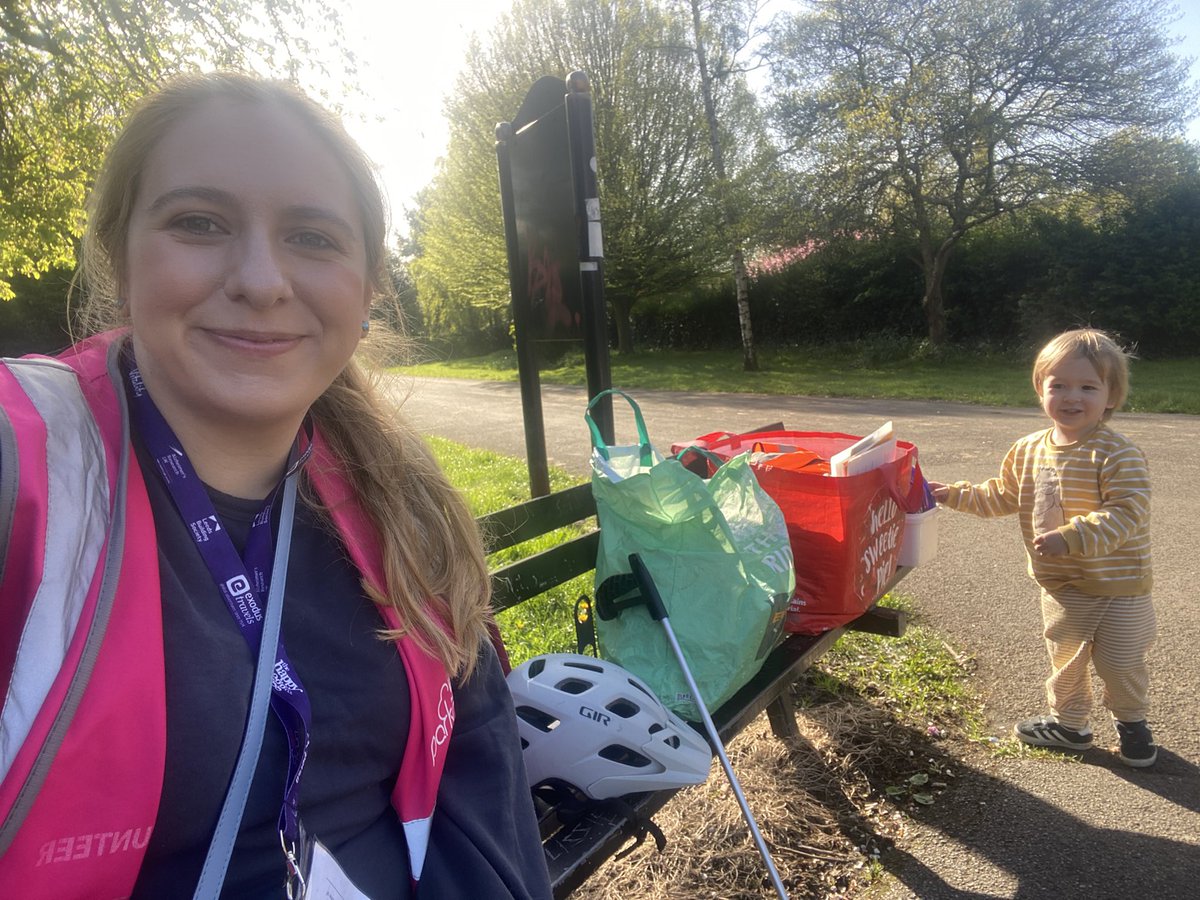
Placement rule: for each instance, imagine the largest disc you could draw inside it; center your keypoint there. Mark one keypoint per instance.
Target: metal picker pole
(659, 611)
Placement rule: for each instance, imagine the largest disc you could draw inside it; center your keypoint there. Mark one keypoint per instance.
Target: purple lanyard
(244, 581)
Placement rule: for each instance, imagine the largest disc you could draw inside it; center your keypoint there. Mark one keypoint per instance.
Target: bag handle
(645, 450)
(705, 452)
(715, 461)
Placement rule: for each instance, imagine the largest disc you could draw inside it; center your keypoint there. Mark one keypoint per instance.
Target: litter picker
(609, 605)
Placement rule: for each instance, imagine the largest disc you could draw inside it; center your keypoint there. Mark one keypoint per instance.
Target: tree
(653, 168)
(929, 118)
(68, 71)
(1128, 266)
(1130, 166)
(722, 31)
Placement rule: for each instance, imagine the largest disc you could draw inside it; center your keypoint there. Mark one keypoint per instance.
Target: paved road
(1012, 828)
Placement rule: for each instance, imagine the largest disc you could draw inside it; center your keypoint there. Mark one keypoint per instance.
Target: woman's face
(245, 272)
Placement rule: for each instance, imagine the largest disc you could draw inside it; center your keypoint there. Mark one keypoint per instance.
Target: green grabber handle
(647, 454)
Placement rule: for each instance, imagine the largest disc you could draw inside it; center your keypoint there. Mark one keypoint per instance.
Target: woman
(235, 239)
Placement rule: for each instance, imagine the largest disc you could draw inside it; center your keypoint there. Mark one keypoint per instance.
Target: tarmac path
(1010, 827)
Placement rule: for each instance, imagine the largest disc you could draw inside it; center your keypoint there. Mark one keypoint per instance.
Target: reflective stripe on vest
(74, 488)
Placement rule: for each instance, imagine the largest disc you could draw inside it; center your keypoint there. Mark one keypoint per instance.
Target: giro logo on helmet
(595, 715)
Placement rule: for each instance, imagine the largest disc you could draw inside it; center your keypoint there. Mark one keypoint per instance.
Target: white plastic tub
(920, 538)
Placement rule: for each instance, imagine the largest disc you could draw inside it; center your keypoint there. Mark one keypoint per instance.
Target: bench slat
(537, 574)
(784, 664)
(517, 524)
(575, 853)
(883, 620)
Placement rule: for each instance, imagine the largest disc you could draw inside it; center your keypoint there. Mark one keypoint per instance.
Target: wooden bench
(575, 850)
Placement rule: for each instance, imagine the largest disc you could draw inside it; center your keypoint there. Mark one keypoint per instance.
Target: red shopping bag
(845, 532)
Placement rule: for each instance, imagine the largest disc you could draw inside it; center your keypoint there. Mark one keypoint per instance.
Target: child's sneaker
(1045, 731)
(1137, 744)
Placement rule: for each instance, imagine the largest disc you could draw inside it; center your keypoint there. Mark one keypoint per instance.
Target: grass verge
(878, 368)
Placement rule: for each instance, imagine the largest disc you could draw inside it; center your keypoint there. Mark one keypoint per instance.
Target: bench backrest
(518, 581)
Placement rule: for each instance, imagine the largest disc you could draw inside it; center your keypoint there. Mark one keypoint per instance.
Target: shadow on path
(1045, 852)
(1173, 778)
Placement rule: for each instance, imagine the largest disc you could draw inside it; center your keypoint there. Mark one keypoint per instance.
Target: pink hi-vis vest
(83, 721)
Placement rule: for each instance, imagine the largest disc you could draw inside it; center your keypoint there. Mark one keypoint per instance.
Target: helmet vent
(642, 689)
(624, 756)
(623, 708)
(536, 666)
(655, 728)
(573, 685)
(573, 664)
(538, 719)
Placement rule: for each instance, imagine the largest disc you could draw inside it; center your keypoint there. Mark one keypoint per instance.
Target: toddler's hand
(1051, 544)
(939, 491)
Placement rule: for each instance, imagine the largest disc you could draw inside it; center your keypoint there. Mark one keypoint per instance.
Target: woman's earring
(366, 326)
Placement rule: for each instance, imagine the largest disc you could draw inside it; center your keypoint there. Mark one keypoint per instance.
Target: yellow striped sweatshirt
(1095, 492)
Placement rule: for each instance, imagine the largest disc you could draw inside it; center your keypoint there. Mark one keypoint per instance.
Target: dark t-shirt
(484, 840)
(360, 715)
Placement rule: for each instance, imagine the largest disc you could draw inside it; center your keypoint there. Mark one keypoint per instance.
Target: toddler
(1083, 494)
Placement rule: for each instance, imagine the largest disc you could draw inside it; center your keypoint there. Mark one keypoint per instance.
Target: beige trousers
(1114, 634)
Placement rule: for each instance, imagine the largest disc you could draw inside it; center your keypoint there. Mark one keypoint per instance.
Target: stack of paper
(870, 452)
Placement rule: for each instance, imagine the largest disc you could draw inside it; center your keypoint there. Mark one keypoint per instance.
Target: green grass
(877, 368)
(918, 677)
(489, 480)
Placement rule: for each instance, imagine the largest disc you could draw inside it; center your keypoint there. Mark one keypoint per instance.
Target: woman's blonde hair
(436, 573)
(1098, 348)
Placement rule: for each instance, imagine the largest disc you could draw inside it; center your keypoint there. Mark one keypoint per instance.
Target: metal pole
(591, 247)
(659, 611)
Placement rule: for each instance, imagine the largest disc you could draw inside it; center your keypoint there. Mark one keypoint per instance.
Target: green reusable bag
(718, 552)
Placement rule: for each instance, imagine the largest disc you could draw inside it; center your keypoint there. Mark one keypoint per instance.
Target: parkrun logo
(135, 379)
(445, 712)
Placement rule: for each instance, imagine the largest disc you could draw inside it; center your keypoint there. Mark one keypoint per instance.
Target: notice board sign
(548, 281)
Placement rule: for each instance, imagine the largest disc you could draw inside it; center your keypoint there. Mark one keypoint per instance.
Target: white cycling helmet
(593, 725)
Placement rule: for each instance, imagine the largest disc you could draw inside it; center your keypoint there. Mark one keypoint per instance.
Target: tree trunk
(933, 263)
(741, 283)
(621, 309)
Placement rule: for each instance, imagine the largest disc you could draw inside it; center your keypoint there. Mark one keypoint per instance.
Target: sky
(411, 53)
